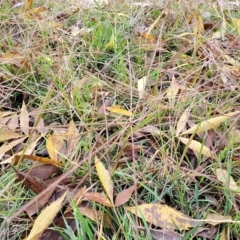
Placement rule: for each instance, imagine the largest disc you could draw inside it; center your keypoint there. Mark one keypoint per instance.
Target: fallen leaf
(66, 220)
(24, 119)
(4, 114)
(45, 218)
(105, 178)
(15, 59)
(43, 171)
(151, 129)
(36, 159)
(53, 144)
(198, 147)
(28, 5)
(38, 10)
(13, 122)
(210, 123)
(112, 42)
(9, 146)
(215, 219)
(77, 199)
(117, 109)
(29, 181)
(207, 233)
(159, 234)
(99, 198)
(163, 216)
(235, 22)
(124, 196)
(29, 149)
(37, 206)
(182, 121)
(223, 176)
(40, 127)
(72, 137)
(106, 103)
(173, 89)
(96, 216)
(6, 135)
(141, 86)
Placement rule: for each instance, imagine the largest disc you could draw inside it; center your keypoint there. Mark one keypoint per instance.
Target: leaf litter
(195, 72)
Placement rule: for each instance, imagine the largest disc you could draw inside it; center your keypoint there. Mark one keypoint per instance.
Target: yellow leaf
(54, 144)
(38, 10)
(163, 216)
(105, 178)
(198, 147)
(119, 110)
(210, 123)
(28, 5)
(228, 181)
(235, 22)
(46, 217)
(6, 135)
(24, 119)
(182, 121)
(112, 42)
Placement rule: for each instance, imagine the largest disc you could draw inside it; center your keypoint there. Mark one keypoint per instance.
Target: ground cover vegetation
(119, 120)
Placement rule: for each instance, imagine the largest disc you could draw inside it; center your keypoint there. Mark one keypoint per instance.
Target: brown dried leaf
(14, 58)
(13, 122)
(37, 206)
(29, 181)
(124, 196)
(24, 119)
(215, 219)
(96, 216)
(40, 127)
(77, 199)
(30, 148)
(99, 198)
(72, 137)
(43, 172)
(182, 121)
(228, 181)
(9, 146)
(164, 234)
